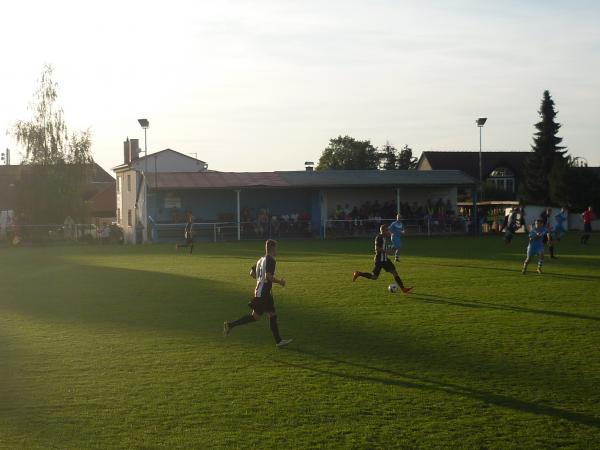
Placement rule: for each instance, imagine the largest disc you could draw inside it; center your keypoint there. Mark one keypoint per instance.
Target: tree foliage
(348, 153)
(388, 157)
(58, 163)
(406, 160)
(345, 152)
(546, 166)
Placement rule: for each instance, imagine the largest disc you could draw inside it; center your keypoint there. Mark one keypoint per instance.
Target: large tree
(388, 157)
(345, 152)
(546, 165)
(59, 163)
(406, 160)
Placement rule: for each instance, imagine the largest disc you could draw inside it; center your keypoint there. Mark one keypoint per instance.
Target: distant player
(262, 303)
(510, 226)
(396, 229)
(536, 245)
(546, 217)
(587, 216)
(560, 220)
(188, 233)
(382, 261)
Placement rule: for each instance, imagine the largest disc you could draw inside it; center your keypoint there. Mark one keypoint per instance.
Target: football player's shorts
(388, 266)
(262, 305)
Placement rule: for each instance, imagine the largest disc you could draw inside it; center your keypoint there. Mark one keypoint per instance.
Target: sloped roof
(152, 155)
(214, 180)
(100, 175)
(468, 161)
(300, 179)
(14, 171)
(104, 201)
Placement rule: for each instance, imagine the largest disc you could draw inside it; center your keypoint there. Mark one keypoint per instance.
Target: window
(128, 183)
(129, 217)
(502, 178)
(119, 216)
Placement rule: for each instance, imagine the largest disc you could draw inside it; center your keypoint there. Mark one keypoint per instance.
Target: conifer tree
(548, 157)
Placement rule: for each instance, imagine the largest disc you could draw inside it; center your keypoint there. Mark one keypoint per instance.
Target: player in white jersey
(264, 272)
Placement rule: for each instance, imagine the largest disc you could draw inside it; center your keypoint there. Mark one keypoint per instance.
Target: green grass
(121, 347)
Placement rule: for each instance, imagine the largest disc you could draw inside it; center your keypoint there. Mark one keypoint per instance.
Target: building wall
(357, 197)
(424, 164)
(169, 161)
(220, 204)
(126, 196)
(214, 205)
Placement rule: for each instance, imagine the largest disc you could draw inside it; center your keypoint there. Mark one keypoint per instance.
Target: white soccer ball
(393, 288)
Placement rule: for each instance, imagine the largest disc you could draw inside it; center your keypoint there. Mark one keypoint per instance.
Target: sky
(264, 85)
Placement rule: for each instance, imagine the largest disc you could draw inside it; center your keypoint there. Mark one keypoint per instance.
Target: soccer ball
(393, 288)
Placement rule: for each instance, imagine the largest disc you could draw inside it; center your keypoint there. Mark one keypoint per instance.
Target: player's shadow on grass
(430, 298)
(518, 270)
(392, 378)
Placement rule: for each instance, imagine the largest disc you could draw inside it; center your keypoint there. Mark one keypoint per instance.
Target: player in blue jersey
(396, 229)
(560, 221)
(536, 245)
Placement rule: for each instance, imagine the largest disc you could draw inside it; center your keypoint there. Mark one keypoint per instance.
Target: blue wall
(208, 205)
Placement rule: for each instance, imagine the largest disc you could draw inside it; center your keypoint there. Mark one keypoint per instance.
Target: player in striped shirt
(262, 303)
(188, 234)
(382, 261)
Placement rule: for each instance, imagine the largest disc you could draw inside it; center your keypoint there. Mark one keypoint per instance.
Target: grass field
(121, 347)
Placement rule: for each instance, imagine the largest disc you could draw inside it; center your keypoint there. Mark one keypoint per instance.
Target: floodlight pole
(480, 123)
(144, 123)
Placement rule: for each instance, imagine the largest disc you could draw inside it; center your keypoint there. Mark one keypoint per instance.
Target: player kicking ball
(262, 303)
(396, 229)
(536, 245)
(382, 262)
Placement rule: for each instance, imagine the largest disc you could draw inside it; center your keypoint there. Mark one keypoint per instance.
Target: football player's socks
(365, 274)
(398, 281)
(274, 328)
(540, 262)
(242, 320)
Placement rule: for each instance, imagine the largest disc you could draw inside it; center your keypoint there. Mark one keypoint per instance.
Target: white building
(131, 177)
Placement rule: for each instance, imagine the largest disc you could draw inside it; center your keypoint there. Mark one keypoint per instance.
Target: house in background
(131, 199)
(502, 172)
(100, 197)
(102, 184)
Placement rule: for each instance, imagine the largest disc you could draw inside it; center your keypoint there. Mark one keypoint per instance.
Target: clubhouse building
(154, 192)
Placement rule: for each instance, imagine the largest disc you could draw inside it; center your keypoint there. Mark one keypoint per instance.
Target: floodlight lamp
(144, 123)
(481, 121)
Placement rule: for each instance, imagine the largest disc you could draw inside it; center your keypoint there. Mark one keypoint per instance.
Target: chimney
(126, 158)
(134, 147)
(309, 165)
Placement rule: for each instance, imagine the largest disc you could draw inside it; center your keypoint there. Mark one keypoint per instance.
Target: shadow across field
(431, 298)
(134, 300)
(422, 383)
(517, 270)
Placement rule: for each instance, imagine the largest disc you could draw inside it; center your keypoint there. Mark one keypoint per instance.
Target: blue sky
(264, 85)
